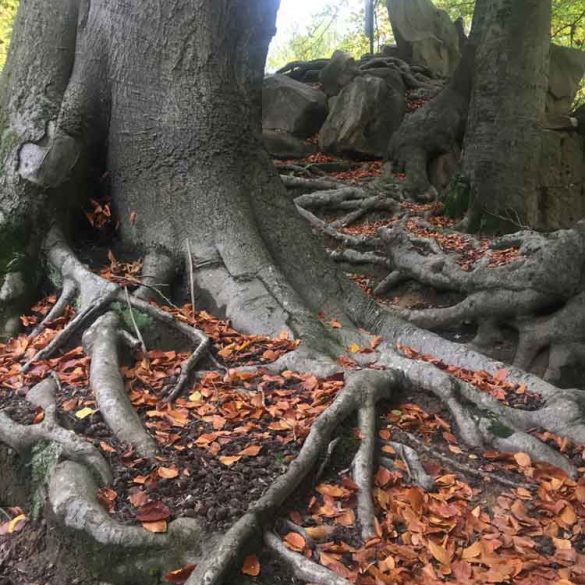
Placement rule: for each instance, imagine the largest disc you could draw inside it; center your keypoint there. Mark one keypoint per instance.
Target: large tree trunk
(163, 97)
(172, 93)
(503, 137)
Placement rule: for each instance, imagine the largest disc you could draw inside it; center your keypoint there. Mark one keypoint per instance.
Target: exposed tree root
(23, 437)
(302, 567)
(158, 271)
(311, 184)
(481, 421)
(322, 227)
(361, 387)
(355, 257)
(101, 343)
(465, 469)
(122, 554)
(544, 275)
(363, 469)
(414, 467)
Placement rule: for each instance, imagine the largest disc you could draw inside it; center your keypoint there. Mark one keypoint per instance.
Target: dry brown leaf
(439, 552)
(250, 451)
(180, 576)
(158, 527)
(229, 460)
(168, 472)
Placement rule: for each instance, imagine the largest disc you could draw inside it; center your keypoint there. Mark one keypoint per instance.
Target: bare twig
(134, 323)
(191, 277)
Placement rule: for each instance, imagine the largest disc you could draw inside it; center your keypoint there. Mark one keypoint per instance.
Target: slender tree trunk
(503, 136)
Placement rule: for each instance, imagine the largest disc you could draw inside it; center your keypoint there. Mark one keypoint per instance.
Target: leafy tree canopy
(7, 13)
(321, 36)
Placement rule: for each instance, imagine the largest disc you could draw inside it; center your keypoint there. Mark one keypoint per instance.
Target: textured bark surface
(171, 92)
(503, 137)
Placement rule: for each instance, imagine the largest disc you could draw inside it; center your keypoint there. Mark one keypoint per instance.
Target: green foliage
(339, 25)
(499, 429)
(144, 321)
(321, 37)
(7, 13)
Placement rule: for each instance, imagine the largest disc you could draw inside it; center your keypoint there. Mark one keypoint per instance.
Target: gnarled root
(118, 553)
(23, 437)
(362, 387)
(302, 567)
(543, 276)
(101, 342)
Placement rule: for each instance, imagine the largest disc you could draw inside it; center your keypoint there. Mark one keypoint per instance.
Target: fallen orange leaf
(251, 566)
(158, 527)
(295, 541)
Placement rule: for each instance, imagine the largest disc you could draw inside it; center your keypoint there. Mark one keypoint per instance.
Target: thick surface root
(302, 567)
(543, 276)
(101, 342)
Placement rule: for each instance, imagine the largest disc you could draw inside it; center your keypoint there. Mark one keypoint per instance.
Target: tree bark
(503, 136)
(164, 98)
(172, 93)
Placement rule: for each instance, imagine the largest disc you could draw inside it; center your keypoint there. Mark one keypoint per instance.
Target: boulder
(340, 71)
(362, 119)
(567, 67)
(292, 106)
(283, 145)
(425, 35)
(391, 76)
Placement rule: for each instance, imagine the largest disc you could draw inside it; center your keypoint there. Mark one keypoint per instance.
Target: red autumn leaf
(153, 512)
(180, 576)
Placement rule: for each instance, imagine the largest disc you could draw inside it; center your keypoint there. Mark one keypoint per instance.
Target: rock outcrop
(363, 118)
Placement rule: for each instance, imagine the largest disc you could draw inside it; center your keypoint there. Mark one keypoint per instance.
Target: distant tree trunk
(503, 136)
(494, 104)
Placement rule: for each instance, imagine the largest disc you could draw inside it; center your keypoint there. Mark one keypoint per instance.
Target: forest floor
(490, 518)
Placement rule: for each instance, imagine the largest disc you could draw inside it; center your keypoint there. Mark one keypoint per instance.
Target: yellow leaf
(354, 348)
(16, 523)
(523, 459)
(84, 413)
(439, 552)
(228, 460)
(196, 397)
